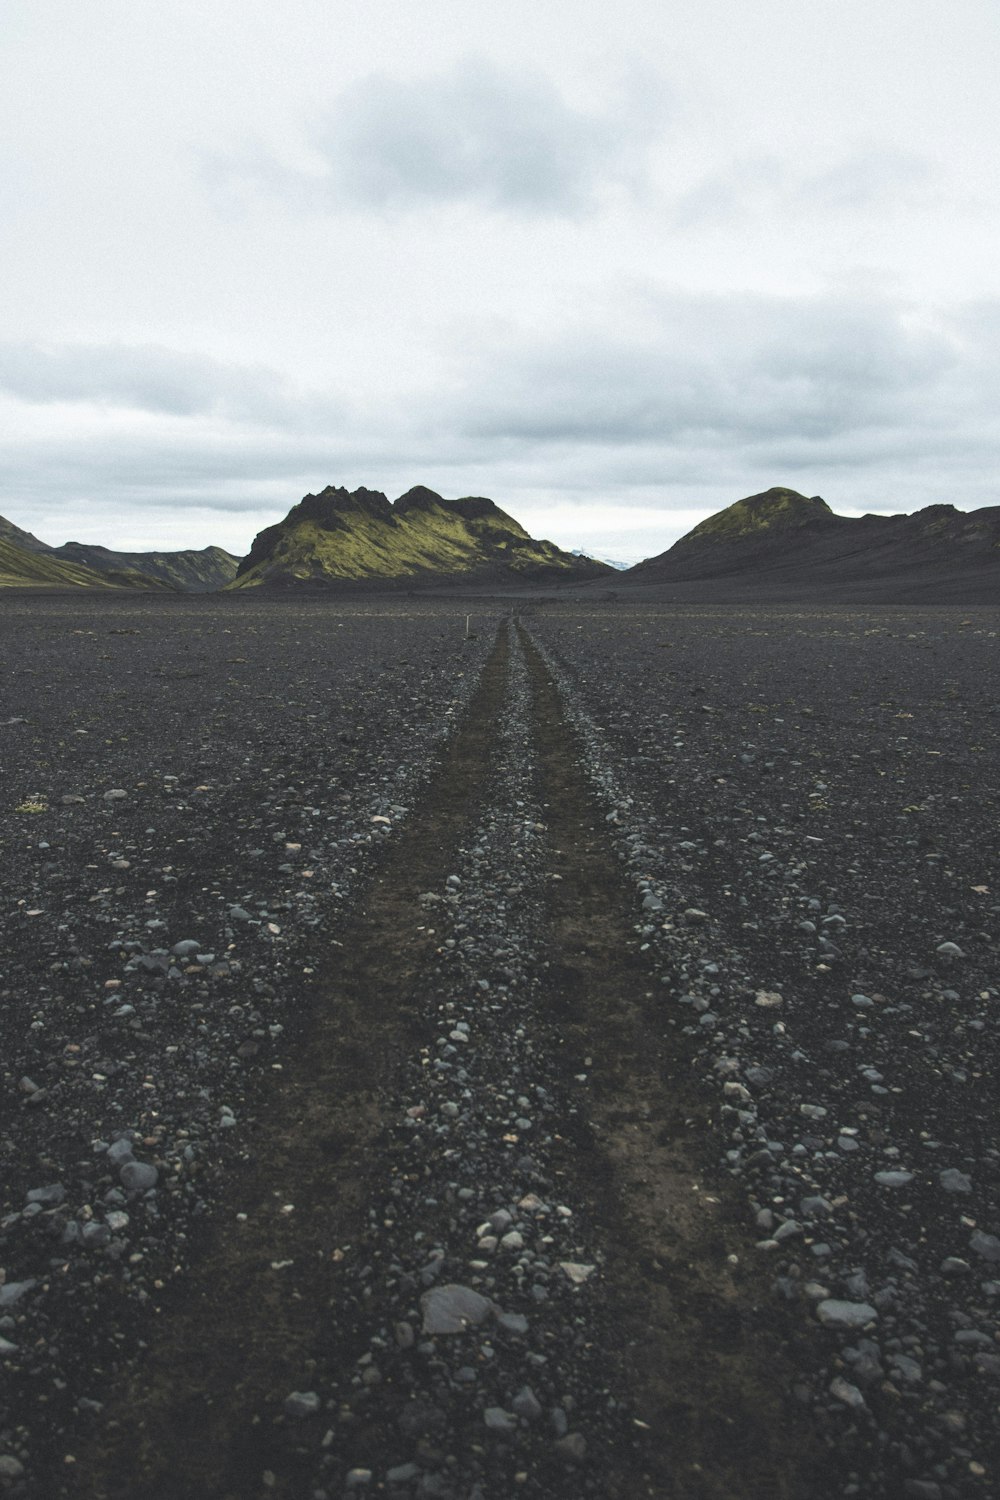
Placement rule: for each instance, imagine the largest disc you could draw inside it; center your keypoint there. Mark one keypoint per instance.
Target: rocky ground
(556, 1061)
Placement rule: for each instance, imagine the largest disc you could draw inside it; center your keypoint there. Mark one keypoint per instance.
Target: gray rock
(844, 1391)
(453, 1309)
(907, 1369)
(893, 1179)
(573, 1447)
(402, 1473)
(10, 1467)
(138, 1176)
(985, 1245)
(13, 1291)
(498, 1420)
(954, 1181)
(185, 948)
(302, 1404)
(120, 1151)
(527, 1404)
(48, 1197)
(512, 1322)
(835, 1314)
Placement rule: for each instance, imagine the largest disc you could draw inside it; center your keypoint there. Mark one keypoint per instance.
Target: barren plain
(553, 1059)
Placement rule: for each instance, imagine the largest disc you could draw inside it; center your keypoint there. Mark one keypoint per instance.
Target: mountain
(26, 562)
(783, 545)
(359, 537)
(189, 572)
(619, 567)
(24, 539)
(24, 568)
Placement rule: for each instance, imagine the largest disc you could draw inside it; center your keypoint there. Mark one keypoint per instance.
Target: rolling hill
(26, 562)
(780, 544)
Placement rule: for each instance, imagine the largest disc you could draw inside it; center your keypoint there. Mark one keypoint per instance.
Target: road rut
(486, 1100)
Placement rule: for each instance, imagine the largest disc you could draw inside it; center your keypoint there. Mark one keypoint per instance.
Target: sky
(614, 266)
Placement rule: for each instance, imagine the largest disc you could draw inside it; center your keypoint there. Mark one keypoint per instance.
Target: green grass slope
(191, 572)
(343, 537)
(24, 539)
(20, 568)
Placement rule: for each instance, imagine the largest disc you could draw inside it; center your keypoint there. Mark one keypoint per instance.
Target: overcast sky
(614, 265)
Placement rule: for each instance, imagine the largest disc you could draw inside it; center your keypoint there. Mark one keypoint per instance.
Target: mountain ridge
(343, 537)
(780, 540)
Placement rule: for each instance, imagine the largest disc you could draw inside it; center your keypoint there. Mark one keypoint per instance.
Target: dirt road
(601, 1111)
(481, 1103)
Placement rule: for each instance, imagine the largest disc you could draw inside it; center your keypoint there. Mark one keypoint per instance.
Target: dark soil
(615, 943)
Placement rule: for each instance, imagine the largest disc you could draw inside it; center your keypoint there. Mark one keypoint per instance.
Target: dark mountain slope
(190, 572)
(780, 544)
(21, 568)
(23, 539)
(26, 562)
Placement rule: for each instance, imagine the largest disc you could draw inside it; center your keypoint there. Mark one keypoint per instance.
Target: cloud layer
(505, 140)
(687, 391)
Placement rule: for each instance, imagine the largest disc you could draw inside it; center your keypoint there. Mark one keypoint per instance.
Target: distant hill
(780, 544)
(189, 572)
(26, 562)
(359, 537)
(24, 568)
(619, 567)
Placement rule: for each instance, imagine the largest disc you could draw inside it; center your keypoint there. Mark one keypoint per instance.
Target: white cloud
(151, 379)
(501, 138)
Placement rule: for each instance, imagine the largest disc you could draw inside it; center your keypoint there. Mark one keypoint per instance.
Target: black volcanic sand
(632, 970)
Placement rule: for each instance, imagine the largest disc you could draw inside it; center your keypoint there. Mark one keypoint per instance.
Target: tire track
(489, 1116)
(697, 1337)
(235, 1335)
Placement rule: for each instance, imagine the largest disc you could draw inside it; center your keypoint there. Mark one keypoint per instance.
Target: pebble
(833, 1313)
(13, 1291)
(576, 1272)
(453, 1309)
(842, 1390)
(138, 1176)
(498, 1420)
(302, 1404)
(985, 1245)
(526, 1404)
(893, 1179)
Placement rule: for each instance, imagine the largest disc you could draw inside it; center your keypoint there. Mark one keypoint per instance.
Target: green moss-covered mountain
(785, 545)
(24, 568)
(359, 537)
(190, 572)
(23, 539)
(26, 562)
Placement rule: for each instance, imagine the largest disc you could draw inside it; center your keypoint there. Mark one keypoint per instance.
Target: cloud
(865, 180)
(735, 371)
(149, 378)
(502, 139)
(662, 401)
